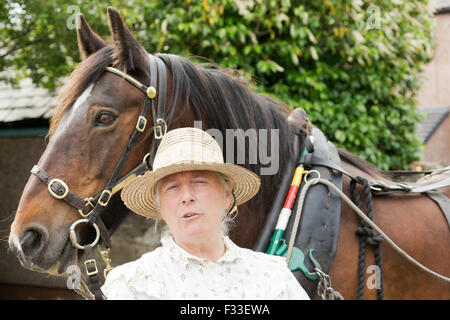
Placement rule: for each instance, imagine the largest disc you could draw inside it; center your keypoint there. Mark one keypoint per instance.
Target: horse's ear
(88, 41)
(128, 53)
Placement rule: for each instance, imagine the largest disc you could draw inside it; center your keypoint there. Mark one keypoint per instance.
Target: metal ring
(146, 157)
(73, 235)
(307, 174)
(61, 183)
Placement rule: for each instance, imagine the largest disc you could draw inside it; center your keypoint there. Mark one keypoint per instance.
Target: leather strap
(162, 81)
(310, 160)
(92, 273)
(442, 201)
(58, 188)
(379, 187)
(153, 80)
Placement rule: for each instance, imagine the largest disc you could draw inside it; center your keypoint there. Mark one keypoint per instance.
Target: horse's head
(92, 124)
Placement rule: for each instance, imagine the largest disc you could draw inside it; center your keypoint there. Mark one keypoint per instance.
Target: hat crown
(187, 145)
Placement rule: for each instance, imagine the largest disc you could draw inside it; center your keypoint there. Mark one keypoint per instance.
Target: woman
(194, 192)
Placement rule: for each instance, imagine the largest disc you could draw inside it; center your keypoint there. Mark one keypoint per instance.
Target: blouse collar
(183, 256)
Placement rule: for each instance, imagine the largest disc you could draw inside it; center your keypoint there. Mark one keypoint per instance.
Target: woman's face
(193, 203)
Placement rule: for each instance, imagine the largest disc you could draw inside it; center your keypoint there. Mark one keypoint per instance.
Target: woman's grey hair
(227, 221)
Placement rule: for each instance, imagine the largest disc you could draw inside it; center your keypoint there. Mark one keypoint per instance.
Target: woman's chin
(193, 232)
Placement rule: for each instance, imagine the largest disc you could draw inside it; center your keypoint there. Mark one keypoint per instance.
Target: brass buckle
(159, 132)
(100, 200)
(88, 202)
(90, 273)
(141, 123)
(66, 191)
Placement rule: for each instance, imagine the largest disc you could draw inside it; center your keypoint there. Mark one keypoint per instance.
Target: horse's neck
(253, 214)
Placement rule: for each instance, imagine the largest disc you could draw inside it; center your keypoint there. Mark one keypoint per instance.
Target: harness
(309, 241)
(90, 208)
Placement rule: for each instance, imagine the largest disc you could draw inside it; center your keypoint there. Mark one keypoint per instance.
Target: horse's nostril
(32, 241)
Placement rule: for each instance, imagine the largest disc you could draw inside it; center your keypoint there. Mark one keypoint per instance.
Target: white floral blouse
(170, 272)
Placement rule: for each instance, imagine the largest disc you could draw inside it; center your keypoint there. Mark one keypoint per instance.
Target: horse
(96, 114)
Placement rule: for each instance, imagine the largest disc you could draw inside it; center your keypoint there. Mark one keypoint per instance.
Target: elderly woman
(194, 192)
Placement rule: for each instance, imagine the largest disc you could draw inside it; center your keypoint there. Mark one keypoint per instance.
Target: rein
(90, 208)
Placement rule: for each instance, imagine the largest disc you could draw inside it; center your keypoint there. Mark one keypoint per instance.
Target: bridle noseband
(90, 208)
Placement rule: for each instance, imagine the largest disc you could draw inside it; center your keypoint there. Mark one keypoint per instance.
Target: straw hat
(186, 149)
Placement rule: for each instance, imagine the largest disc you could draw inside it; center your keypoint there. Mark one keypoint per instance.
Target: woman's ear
(228, 193)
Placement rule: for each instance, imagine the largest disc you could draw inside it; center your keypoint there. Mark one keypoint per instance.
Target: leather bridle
(90, 208)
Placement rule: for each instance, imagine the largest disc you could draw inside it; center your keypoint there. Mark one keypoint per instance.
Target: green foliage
(352, 65)
(35, 39)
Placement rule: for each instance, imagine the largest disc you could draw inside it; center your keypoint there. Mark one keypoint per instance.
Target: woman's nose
(188, 195)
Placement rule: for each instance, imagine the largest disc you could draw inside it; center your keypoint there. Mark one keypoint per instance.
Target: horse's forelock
(87, 72)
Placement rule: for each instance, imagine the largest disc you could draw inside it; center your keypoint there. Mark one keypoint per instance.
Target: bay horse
(96, 114)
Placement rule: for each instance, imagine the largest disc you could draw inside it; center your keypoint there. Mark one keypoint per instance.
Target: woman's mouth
(190, 216)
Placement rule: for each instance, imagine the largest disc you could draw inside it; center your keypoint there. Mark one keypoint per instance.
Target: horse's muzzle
(30, 247)
(33, 241)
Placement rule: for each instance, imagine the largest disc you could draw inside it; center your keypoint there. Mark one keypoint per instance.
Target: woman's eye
(105, 119)
(171, 187)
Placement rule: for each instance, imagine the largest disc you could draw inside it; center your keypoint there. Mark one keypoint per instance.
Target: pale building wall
(435, 92)
(437, 150)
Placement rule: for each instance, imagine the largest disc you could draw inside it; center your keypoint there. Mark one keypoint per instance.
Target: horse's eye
(105, 118)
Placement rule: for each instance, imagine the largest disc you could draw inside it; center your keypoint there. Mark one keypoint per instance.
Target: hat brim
(140, 194)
